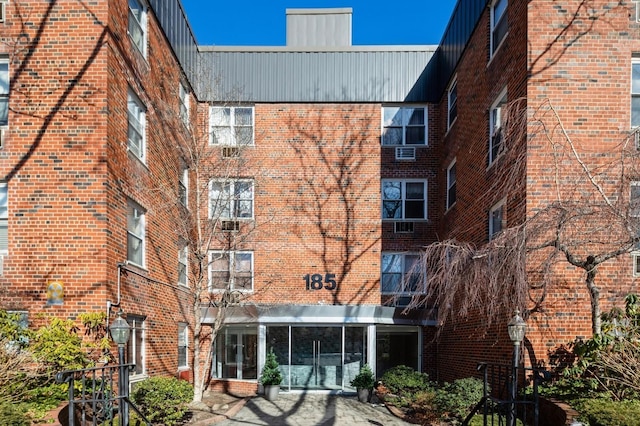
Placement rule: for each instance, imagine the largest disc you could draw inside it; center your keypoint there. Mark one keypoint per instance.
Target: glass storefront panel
(316, 357)
(236, 355)
(396, 346)
(355, 353)
(278, 340)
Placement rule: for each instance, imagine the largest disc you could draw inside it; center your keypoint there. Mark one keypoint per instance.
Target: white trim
(229, 199)
(500, 205)
(449, 204)
(141, 24)
(137, 213)
(492, 29)
(496, 123)
(136, 121)
(230, 138)
(231, 255)
(453, 85)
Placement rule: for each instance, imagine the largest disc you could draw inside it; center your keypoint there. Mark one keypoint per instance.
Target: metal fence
(510, 395)
(99, 396)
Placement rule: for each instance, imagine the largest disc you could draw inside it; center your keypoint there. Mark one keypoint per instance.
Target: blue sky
(262, 22)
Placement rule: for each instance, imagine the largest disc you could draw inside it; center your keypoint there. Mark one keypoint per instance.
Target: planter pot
(271, 392)
(363, 395)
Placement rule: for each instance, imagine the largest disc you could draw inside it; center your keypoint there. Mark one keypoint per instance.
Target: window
(635, 92)
(236, 354)
(496, 135)
(136, 345)
(4, 92)
(231, 199)
(138, 24)
(183, 260)
(4, 219)
(136, 130)
(404, 199)
(452, 103)
(183, 187)
(496, 219)
(183, 345)
(404, 126)
(135, 234)
(231, 125)
(451, 184)
(231, 270)
(184, 103)
(499, 25)
(402, 274)
(634, 199)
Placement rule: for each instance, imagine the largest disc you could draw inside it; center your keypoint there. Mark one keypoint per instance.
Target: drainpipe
(117, 303)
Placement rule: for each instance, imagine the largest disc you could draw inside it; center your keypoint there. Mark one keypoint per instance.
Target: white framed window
(136, 126)
(404, 125)
(402, 274)
(4, 92)
(135, 234)
(231, 270)
(136, 345)
(4, 218)
(634, 199)
(496, 133)
(404, 199)
(497, 219)
(137, 26)
(183, 262)
(3, 10)
(231, 125)
(183, 345)
(635, 92)
(231, 199)
(451, 184)
(183, 93)
(499, 25)
(183, 187)
(452, 102)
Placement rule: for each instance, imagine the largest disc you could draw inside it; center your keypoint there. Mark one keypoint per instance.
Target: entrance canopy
(321, 314)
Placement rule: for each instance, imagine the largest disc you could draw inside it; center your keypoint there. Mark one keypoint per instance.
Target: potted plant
(363, 382)
(271, 376)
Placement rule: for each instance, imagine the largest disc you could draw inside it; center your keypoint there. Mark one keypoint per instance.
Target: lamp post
(516, 328)
(120, 331)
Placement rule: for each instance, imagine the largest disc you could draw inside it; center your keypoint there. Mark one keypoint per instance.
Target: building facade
(318, 172)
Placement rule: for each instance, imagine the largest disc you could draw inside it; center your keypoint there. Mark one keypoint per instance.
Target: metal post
(123, 388)
(514, 384)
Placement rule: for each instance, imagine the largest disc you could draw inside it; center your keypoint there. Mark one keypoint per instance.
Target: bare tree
(591, 217)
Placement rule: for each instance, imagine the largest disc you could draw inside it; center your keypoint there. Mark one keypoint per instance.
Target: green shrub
(606, 412)
(405, 380)
(364, 379)
(59, 347)
(271, 371)
(13, 415)
(456, 399)
(163, 399)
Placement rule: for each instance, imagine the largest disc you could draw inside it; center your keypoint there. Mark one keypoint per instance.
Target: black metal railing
(96, 395)
(505, 402)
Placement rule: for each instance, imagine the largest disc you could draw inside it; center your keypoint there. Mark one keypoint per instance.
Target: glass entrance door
(316, 357)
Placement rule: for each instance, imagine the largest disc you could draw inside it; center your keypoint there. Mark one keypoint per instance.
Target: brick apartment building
(331, 166)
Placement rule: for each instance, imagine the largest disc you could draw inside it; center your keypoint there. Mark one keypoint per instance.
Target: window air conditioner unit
(230, 225)
(405, 153)
(403, 227)
(230, 151)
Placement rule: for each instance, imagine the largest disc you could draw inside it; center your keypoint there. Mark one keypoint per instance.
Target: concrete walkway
(311, 409)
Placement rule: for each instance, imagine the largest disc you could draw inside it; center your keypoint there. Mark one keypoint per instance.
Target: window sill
(495, 52)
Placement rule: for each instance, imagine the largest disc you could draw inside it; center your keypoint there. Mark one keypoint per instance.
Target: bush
(11, 414)
(364, 379)
(271, 371)
(405, 380)
(605, 412)
(163, 399)
(456, 399)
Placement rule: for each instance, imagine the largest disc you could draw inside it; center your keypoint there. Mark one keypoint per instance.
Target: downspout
(109, 302)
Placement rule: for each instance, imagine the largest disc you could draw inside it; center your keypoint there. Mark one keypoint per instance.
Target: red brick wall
(69, 173)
